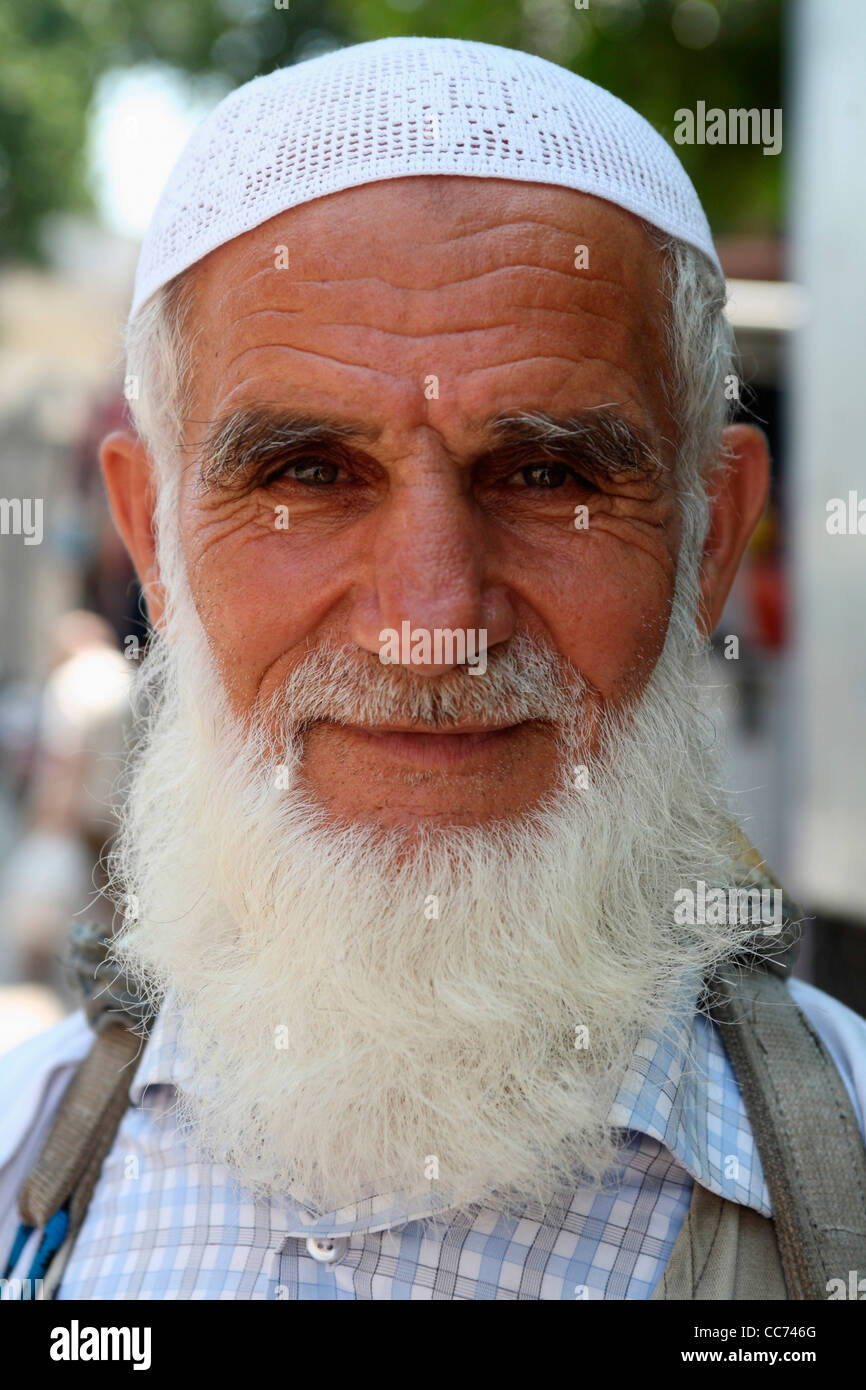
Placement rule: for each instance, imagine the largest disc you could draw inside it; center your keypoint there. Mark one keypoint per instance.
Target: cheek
(259, 594)
(608, 614)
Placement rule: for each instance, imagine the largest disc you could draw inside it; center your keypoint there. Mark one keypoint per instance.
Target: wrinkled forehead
(421, 227)
(489, 280)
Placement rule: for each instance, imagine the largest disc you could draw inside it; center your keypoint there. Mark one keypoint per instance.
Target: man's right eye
(317, 472)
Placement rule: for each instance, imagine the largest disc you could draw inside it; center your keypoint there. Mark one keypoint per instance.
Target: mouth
(443, 747)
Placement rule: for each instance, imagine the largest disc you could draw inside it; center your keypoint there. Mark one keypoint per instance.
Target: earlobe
(738, 496)
(128, 475)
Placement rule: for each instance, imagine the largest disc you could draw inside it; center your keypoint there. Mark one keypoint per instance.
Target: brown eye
(544, 475)
(314, 471)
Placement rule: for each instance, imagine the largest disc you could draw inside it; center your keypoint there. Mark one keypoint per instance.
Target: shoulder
(843, 1033)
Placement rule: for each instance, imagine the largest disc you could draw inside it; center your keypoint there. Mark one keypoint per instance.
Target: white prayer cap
(404, 106)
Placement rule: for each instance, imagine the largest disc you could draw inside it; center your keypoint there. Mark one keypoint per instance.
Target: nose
(432, 601)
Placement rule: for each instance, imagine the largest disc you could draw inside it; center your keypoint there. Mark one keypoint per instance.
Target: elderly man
(456, 979)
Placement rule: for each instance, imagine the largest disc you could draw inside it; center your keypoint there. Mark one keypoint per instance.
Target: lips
(447, 746)
(457, 731)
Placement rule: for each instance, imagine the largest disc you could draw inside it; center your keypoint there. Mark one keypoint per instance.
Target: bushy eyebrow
(601, 441)
(240, 450)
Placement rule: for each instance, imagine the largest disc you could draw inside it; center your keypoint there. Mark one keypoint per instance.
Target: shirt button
(327, 1249)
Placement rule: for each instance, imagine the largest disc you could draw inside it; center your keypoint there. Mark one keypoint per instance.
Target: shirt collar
(682, 1090)
(679, 1089)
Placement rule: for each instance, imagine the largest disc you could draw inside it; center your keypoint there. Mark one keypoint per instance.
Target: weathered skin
(473, 281)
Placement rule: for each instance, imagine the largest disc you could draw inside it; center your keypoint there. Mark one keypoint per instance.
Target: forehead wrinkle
(593, 282)
(531, 280)
(466, 210)
(623, 308)
(620, 371)
(416, 336)
(623, 244)
(360, 208)
(413, 285)
(303, 352)
(527, 314)
(419, 337)
(417, 290)
(504, 245)
(264, 416)
(473, 371)
(548, 309)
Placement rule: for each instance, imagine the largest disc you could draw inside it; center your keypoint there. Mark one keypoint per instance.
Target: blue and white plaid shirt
(164, 1225)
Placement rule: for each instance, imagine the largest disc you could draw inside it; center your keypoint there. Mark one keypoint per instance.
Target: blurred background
(96, 100)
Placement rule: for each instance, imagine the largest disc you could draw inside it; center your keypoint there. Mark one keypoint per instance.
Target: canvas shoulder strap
(806, 1133)
(69, 1164)
(805, 1129)
(812, 1156)
(88, 1118)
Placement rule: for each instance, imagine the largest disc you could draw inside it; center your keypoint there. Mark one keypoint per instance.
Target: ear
(738, 497)
(129, 483)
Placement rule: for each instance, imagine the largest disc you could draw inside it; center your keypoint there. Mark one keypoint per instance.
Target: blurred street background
(96, 100)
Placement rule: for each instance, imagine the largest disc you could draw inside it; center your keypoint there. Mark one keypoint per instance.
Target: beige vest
(723, 1251)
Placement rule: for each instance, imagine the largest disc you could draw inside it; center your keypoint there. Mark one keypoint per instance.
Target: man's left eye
(315, 471)
(544, 475)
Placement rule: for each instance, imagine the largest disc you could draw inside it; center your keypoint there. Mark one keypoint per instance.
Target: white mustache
(524, 680)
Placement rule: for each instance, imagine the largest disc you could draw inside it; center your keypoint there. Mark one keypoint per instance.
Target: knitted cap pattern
(399, 107)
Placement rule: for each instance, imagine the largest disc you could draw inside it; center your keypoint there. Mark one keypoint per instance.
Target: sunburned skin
(413, 314)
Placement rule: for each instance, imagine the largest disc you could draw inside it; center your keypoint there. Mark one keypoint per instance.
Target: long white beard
(367, 1013)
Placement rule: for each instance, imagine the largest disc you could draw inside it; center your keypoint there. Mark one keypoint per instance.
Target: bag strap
(84, 1129)
(67, 1168)
(805, 1128)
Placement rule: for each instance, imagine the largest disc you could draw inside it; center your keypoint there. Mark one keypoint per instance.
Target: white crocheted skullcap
(404, 106)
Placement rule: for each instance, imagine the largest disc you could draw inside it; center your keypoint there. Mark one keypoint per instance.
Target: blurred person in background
(54, 870)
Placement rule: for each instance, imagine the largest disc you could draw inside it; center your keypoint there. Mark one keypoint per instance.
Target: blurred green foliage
(52, 53)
